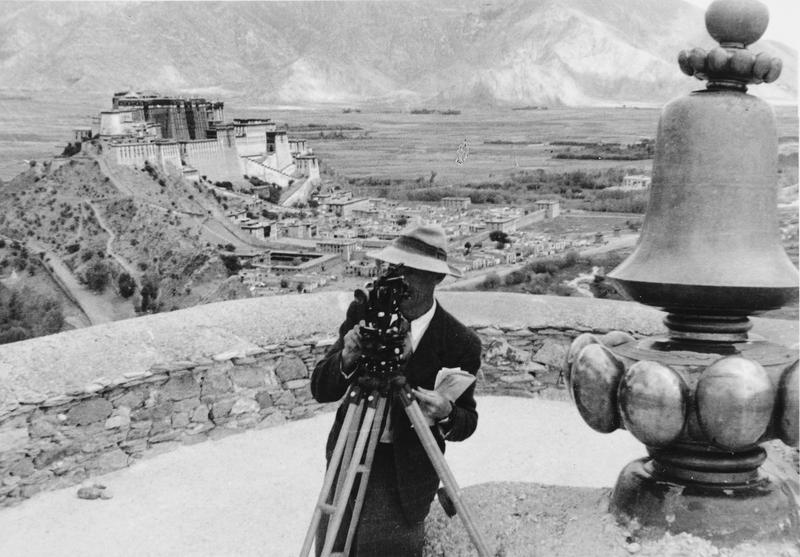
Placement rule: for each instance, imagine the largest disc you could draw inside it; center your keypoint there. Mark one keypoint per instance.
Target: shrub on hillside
(517, 276)
(491, 281)
(149, 294)
(231, 263)
(126, 285)
(25, 313)
(71, 149)
(97, 276)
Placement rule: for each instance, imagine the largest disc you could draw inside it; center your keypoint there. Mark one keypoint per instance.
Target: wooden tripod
(359, 441)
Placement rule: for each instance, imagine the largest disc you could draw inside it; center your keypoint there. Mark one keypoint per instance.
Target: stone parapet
(89, 401)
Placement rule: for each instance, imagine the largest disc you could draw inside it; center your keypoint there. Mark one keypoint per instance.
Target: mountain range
(448, 53)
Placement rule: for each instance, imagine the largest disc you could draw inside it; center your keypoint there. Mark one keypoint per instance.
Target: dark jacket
(446, 343)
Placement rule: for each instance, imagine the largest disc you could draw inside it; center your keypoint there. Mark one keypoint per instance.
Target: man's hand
(351, 351)
(433, 404)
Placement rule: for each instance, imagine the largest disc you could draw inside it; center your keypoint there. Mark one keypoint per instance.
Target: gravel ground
(532, 520)
(536, 477)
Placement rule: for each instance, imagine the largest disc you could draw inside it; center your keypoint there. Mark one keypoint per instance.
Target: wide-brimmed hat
(423, 248)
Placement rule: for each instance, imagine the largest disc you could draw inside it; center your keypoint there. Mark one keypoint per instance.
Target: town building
(81, 134)
(456, 203)
(502, 224)
(633, 182)
(346, 207)
(552, 208)
(149, 127)
(344, 248)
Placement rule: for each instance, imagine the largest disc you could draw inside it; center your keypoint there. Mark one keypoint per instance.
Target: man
(402, 481)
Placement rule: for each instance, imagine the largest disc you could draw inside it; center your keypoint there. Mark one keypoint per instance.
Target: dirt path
(97, 309)
(125, 264)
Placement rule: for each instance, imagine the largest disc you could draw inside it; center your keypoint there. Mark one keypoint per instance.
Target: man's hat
(423, 248)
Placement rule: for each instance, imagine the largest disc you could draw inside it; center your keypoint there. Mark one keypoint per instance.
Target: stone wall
(212, 159)
(109, 424)
(93, 400)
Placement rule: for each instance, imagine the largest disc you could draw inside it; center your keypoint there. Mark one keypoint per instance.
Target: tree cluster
(25, 313)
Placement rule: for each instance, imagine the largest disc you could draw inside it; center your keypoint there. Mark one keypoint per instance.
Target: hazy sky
(784, 20)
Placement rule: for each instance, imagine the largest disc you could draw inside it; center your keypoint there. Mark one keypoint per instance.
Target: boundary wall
(93, 400)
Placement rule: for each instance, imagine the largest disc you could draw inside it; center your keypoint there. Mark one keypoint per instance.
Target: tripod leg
(417, 419)
(355, 406)
(350, 435)
(341, 499)
(380, 418)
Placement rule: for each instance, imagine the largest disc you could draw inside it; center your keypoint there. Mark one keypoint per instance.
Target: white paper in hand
(451, 382)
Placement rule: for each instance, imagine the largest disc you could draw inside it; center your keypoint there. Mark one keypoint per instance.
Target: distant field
(39, 127)
(401, 145)
(500, 141)
(587, 223)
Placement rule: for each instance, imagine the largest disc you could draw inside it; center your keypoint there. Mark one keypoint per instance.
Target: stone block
(200, 414)
(169, 435)
(7, 496)
(58, 400)
(518, 378)
(112, 460)
(249, 377)
(553, 352)
(216, 382)
(160, 426)
(134, 447)
(291, 367)
(194, 438)
(119, 421)
(500, 351)
(180, 419)
(89, 411)
(285, 399)
(245, 406)
(132, 398)
(276, 418)
(54, 452)
(264, 399)
(139, 429)
(13, 439)
(28, 491)
(42, 426)
(197, 429)
(160, 409)
(181, 387)
(247, 421)
(186, 405)
(22, 468)
(298, 384)
(227, 356)
(532, 367)
(221, 409)
(271, 378)
(11, 480)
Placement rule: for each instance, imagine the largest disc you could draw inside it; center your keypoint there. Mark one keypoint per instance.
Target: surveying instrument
(380, 376)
